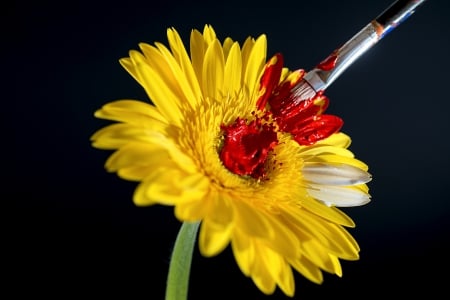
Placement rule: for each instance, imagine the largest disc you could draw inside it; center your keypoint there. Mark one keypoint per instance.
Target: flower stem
(180, 262)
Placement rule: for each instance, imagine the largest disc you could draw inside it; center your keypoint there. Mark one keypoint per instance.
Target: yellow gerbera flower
(227, 144)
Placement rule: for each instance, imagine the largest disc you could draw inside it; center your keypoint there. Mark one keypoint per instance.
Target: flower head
(226, 143)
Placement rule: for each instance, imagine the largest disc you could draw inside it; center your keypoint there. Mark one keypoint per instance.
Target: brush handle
(340, 59)
(395, 14)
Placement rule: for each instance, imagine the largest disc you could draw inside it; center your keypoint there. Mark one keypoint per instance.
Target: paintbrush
(327, 71)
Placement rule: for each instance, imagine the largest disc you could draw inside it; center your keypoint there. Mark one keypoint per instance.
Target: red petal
(282, 95)
(292, 115)
(270, 79)
(316, 128)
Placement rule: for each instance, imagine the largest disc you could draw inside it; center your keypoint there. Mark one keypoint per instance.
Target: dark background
(74, 230)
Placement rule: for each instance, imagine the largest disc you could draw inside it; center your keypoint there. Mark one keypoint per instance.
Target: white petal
(339, 196)
(334, 174)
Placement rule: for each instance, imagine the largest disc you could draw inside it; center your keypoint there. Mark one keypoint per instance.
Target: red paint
(305, 119)
(246, 147)
(328, 63)
(316, 128)
(269, 79)
(281, 98)
(248, 143)
(289, 115)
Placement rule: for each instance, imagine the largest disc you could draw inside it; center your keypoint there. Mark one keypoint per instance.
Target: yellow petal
(160, 65)
(318, 255)
(331, 214)
(252, 221)
(261, 277)
(331, 158)
(213, 239)
(137, 154)
(128, 65)
(157, 62)
(262, 225)
(332, 236)
(227, 44)
(213, 69)
(169, 187)
(243, 251)
(182, 57)
(286, 280)
(186, 85)
(233, 66)
(307, 269)
(254, 67)
(317, 150)
(135, 173)
(133, 112)
(194, 210)
(277, 267)
(339, 139)
(209, 34)
(246, 50)
(336, 265)
(361, 187)
(164, 97)
(161, 61)
(198, 48)
(182, 159)
(221, 210)
(117, 135)
(217, 215)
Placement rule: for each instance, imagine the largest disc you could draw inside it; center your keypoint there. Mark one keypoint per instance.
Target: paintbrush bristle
(303, 91)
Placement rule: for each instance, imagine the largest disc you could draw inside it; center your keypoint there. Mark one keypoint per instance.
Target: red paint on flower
(269, 79)
(246, 146)
(247, 143)
(304, 119)
(316, 128)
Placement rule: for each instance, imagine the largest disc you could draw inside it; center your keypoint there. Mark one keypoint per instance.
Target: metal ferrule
(346, 55)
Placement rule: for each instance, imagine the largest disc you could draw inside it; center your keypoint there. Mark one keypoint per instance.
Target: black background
(74, 230)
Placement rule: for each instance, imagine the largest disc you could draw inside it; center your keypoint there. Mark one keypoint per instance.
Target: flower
(227, 143)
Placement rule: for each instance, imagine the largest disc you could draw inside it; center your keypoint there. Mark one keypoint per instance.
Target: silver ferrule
(320, 79)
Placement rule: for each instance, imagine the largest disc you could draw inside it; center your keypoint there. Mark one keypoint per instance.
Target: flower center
(247, 145)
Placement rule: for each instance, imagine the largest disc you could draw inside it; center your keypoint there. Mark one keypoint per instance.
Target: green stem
(180, 262)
